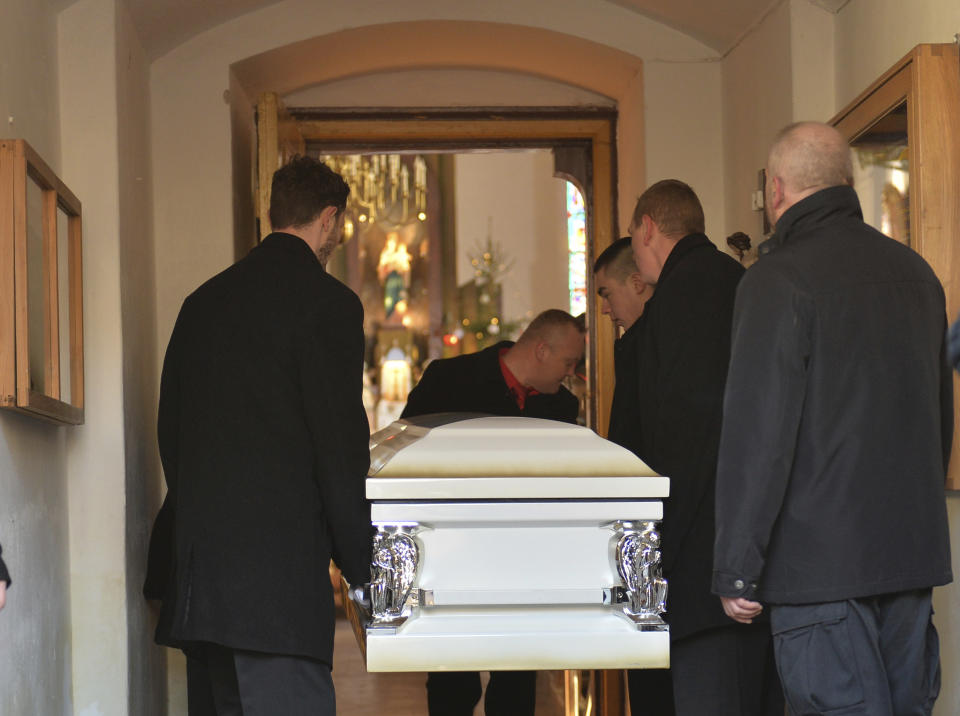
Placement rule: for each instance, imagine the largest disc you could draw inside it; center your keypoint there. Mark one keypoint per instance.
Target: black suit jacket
(264, 444)
(682, 353)
(474, 383)
(4, 574)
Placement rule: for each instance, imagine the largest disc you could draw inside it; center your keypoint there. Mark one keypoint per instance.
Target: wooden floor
(363, 694)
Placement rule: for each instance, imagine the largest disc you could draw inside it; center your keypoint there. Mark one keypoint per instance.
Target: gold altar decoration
(382, 187)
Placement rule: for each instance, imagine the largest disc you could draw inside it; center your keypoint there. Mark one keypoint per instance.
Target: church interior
(492, 150)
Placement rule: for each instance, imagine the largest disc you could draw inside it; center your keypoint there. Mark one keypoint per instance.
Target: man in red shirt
(510, 379)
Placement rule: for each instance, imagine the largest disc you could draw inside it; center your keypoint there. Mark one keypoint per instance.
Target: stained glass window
(576, 250)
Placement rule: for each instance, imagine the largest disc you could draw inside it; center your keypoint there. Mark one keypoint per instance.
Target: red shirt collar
(519, 391)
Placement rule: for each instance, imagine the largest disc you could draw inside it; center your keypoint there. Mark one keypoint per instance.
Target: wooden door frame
(346, 130)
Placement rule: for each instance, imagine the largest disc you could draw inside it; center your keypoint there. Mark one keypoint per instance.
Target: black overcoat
(264, 445)
(683, 350)
(4, 574)
(838, 417)
(474, 383)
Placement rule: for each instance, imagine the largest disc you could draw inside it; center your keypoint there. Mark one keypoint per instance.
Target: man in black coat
(717, 666)
(4, 581)
(513, 379)
(838, 422)
(264, 444)
(623, 297)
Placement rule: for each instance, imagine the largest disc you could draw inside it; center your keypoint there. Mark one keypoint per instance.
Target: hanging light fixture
(381, 187)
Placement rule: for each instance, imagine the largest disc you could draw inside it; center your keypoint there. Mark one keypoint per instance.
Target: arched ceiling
(719, 25)
(164, 24)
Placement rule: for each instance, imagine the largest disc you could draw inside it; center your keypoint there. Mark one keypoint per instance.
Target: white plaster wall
(873, 34)
(782, 72)
(190, 121)
(89, 134)
(516, 195)
(35, 646)
(812, 61)
(757, 102)
(684, 131)
(458, 88)
(147, 665)
(35, 657)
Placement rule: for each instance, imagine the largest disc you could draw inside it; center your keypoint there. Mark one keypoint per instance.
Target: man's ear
(776, 192)
(646, 221)
(636, 282)
(541, 350)
(328, 218)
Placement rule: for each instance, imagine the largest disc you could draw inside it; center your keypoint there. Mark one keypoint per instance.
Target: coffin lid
(463, 456)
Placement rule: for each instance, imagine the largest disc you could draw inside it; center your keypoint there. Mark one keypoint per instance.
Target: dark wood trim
(395, 114)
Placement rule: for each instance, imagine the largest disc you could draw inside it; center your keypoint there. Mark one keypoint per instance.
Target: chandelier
(381, 188)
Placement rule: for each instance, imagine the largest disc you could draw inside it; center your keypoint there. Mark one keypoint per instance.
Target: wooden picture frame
(927, 82)
(41, 289)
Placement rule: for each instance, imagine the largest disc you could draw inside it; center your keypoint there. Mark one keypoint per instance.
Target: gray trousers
(233, 682)
(875, 656)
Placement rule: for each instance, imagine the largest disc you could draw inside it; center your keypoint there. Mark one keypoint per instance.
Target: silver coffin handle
(393, 570)
(636, 551)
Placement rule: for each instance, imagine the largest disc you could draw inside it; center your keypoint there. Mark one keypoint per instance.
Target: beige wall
(873, 34)
(138, 319)
(812, 61)
(757, 101)
(516, 195)
(685, 140)
(88, 113)
(459, 88)
(35, 656)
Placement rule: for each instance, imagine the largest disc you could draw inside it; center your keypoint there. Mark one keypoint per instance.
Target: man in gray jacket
(837, 425)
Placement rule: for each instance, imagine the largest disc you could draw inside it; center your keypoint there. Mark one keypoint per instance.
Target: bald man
(837, 424)
(514, 379)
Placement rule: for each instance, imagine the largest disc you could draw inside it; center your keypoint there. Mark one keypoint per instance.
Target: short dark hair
(545, 325)
(673, 206)
(617, 260)
(301, 189)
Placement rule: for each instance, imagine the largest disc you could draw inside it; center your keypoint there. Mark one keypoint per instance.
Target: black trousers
(233, 682)
(875, 656)
(727, 671)
(456, 693)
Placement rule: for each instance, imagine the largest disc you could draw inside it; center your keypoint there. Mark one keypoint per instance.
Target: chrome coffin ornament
(396, 557)
(637, 554)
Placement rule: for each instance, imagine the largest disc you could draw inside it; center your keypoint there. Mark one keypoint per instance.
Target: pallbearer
(522, 378)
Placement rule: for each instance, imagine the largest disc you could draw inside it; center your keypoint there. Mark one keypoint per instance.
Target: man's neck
(310, 235)
(516, 362)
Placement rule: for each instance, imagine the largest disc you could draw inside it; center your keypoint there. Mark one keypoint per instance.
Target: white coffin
(515, 524)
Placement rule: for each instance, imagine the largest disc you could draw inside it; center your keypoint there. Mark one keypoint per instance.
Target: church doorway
(424, 146)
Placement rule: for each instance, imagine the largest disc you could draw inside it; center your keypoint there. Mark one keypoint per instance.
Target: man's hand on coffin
(361, 595)
(740, 609)
(3, 593)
